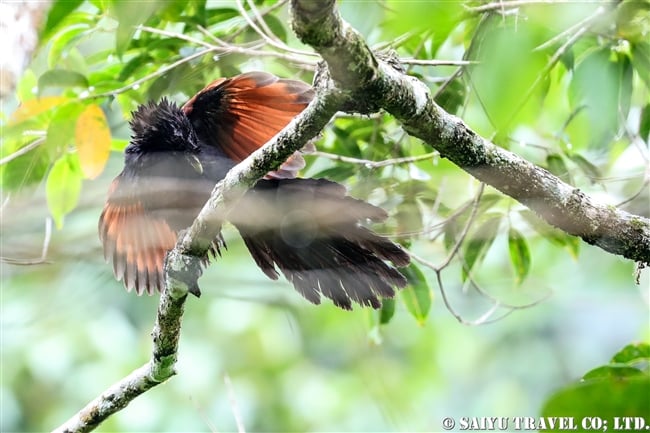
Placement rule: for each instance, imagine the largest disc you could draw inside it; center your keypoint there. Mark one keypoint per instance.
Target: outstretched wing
(240, 114)
(140, 223)
(135, 241)
(312, 232)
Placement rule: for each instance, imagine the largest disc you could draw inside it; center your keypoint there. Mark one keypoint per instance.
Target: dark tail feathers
(311, 231)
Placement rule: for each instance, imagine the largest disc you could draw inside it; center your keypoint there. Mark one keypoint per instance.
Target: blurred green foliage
(563, 85)
(614, 391)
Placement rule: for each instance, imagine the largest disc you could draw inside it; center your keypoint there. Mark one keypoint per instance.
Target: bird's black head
(162, 127)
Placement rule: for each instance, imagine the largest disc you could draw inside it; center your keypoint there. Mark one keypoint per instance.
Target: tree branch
(376, 83)
(356, 80)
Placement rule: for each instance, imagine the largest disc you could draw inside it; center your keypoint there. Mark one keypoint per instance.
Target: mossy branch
(375, 84)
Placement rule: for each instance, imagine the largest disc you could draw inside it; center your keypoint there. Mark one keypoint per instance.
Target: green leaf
(26, 86)
(552, 234)
(133, 65)
(644, 123)
(25, 170)
(276, 26)
(63, 188)
(519, 254)
(59, 10)
(641, 61)
(632, 353)
(454, 226)
(62, 42)
(632, 20)
(608, 397)
(619, 389)
(118, 145)
(443, 16)
(625, 93)
(337, 173)
(452, 97)
(60, 132)
(555, 164)
(587, 167)
(568, 60)
(478, 245)
(612, 371)
(596, 85)
(387, 310)
(417, 295)
(129, 16)
(61, 78)
(506, 54)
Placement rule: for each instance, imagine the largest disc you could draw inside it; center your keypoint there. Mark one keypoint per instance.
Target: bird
(309, 230)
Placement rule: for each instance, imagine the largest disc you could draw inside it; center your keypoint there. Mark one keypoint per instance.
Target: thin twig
(23, 150)
(503, 5)
(44, 249)
(393, 43)
(233, 404)
(643, 189)
(279, 45)
(261, 22)
(374, 164)
(457, 73)
(586, 22)
(463, 234)
(153, 75)
(422, 62)
(551, 63)
(227, 48)
(241, 29)
(176, 35)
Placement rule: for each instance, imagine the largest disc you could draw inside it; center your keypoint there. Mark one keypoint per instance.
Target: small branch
(274, 42)
(42, 258)
(464, 232)
(227, 48)
(486, 317)
(23, 150)
(176, 35)
(374, 84)
(153, 75)
(374, 164)
(503, 5)
(241, 29)
(422, 62)
(233, 404)
(574, 28)
(260, 19)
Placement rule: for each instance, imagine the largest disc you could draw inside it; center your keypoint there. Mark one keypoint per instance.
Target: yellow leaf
(93, 140)
(34, 107)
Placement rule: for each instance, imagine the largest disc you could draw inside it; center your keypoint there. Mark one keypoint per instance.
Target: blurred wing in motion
(311, 231)
(134, 241)
(140, 222)
(307, 229)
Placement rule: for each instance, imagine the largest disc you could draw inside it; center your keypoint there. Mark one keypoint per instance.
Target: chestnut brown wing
(240, 114)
